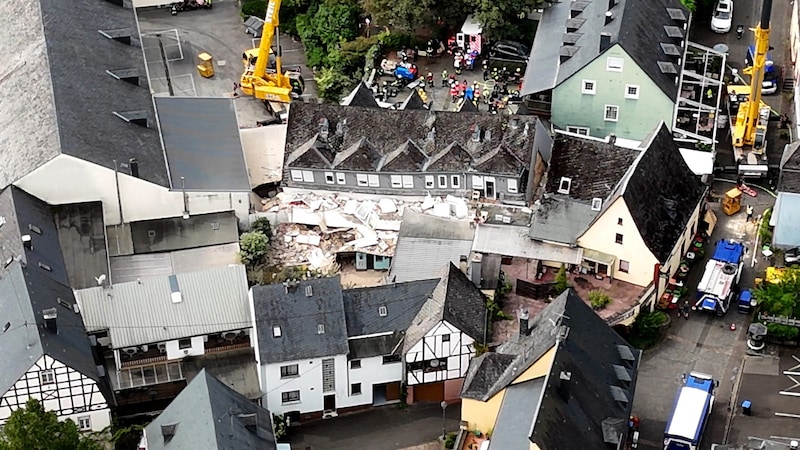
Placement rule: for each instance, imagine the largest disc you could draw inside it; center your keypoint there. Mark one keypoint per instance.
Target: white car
(723, 16)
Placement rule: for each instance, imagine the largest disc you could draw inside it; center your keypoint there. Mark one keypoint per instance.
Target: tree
(503, 18)
(263, 225)
(254, 248)
(331, 83)
(405, 15)
(561, 283)
(33, 428)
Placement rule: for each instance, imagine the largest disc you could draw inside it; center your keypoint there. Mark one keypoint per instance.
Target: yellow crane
(260, 82)
(749, 133)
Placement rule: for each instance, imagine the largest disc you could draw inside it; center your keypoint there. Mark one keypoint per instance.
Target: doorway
(490, 192)
(385, 393)
(329, 403)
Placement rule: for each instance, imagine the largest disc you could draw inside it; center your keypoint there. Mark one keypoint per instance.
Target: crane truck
(749, 131)
(690, 412)
(256, 79)
(721, 279)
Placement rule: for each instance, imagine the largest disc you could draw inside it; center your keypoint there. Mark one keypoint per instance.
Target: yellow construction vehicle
(749, 131)
(206, 65)
(256, 79)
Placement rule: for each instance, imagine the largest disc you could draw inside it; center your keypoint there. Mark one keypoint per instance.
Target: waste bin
(747, 408)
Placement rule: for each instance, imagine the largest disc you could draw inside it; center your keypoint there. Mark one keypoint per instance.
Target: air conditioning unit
(162, 347)
(230, 335)
(130, 351)
(145, 348)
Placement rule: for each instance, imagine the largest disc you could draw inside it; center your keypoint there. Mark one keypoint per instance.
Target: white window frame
(84, 423)
(512, 186)
(374, 180)
(611, 108)
(408, 181)
(583, 131)
(442, 181)
(383, 311)
(308, 176)
(292, 371)
(455, 181)
(635, 95)
(361, 178)
(627, 265)
(297, 175)
(47, 376)
(320, 328)
(614, 64)
(397, 181)
(477, 182)
(341, 178)
(588, 87)
(429, 182)
(561, 189)
(287, 397)
(329, 178)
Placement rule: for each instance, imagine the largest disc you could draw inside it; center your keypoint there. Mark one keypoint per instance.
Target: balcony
(146, 375)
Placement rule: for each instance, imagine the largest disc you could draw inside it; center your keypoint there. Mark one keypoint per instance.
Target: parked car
(509, 50)
(791, 256)
(723, 16)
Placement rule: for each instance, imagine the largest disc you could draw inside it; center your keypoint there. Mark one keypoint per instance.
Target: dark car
(509, 50)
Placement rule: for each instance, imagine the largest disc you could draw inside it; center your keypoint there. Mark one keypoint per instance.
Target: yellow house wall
(601, 236)
(539, 368)
(480, 415)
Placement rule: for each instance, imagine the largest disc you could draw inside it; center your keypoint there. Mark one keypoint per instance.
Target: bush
(450, 441)
(397, 41)
(647, 329)
(254, 248)
(256, 8)
(598, 299)
(782, 332)
(281, 425)
(263, 225)
(331, 83)
(764, 233)
(561, 282)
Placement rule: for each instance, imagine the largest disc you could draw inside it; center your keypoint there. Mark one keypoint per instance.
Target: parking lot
(172, 45)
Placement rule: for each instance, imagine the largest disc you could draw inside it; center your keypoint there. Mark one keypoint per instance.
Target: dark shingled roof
(594, 167)
(367, 347)
(789, 180)
(361, 96)
(402, 301)
(414, 102)
(662, 193)
(637, 25)
(455, 300)
(210, 412)
(406, 158)
(41, 284)
(58, 97)
(360, 138)
(298, 317)
(588, 351)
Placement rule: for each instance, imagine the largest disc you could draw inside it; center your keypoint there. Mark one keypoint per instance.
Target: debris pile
(312, 229)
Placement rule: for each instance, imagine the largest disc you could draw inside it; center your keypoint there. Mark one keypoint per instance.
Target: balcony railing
(149, 374)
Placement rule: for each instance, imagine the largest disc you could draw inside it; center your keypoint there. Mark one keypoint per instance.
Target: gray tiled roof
(27, 291)
(213, 301)
(661, 193)
(455, 300)
(368, 134)
(789, 180)
(401, 300)
(560, 219)
(210, 412)
(202, 143)
(366, 347)
(298, 316)
(637, 25)
(516, 416)
(362, 96)
(177, 233)
(58, 97)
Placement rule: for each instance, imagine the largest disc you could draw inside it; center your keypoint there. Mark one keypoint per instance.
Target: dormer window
(276, 331)
(597, 204)
(309, 291)
(382, 311)
(564, 185)
(321, 328)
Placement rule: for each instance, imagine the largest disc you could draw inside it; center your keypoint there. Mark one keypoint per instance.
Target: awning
(711, 219)
(598, 257)
(700, 162)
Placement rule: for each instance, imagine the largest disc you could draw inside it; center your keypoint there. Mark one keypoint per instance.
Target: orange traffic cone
(733, 327)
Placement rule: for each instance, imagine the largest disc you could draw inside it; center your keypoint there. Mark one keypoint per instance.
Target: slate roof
(401, 300)
(560, 219)
(637, 26)
(25, 292)
(362, 96)
(366, 347)
(426, 244)
(210, 412)
(202, 143)
(661, 193)
(789, 180)
(595, 167)
(177, 233)
(358, 138)
(298, 317)
(414, 102)
(58, 97)
(516, 415)
(594, 357)
(455, 300)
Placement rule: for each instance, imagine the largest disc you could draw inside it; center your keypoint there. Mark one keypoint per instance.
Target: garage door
(430, 392)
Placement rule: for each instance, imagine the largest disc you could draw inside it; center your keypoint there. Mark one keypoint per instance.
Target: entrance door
(490, 192)
(329, 403)
(602, 269)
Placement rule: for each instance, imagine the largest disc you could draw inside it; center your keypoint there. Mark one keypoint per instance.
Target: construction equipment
(206, 65)
(749, 132)
(732, 201)
(256, 79)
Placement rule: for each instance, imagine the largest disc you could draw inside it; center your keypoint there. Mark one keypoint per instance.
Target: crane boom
(270, 25)
(756, 72)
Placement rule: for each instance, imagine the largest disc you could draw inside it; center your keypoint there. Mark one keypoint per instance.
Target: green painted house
(603, 67)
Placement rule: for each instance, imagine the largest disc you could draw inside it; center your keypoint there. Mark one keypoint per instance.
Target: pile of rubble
(311, 228)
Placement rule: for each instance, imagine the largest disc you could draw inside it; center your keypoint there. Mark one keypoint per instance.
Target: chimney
(134, 165)
(605, 41)
(476, 134)
(475, 269)
(50, 316)
(563, 385)
(27, 242)
(462, 264)
(612, 139)
(514, 123)
(323, 129)
(487, 136)
(609, 17)
(612, 3)
(524, 329)
(341, 128)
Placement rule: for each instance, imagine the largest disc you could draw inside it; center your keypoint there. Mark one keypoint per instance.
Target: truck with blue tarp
(772, 73)
(720, 281)
(690, 412)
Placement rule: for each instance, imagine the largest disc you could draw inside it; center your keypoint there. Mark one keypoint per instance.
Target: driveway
(384, 428)
(703, 343)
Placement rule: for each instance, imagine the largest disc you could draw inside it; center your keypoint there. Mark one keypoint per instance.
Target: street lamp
(444, 429)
